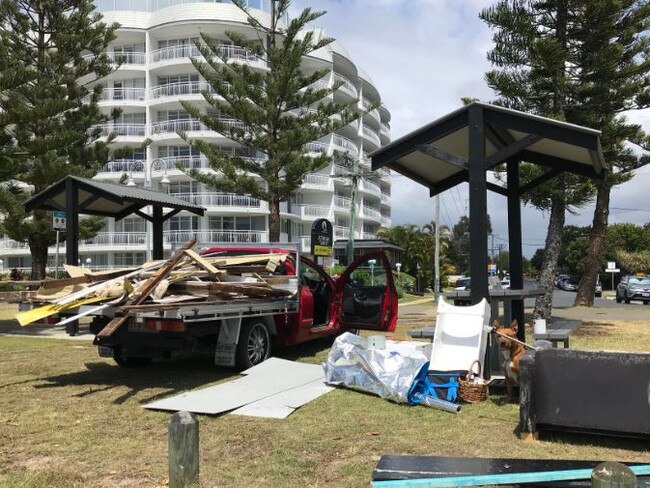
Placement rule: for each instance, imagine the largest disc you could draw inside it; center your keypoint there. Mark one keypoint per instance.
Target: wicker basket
(473, 390)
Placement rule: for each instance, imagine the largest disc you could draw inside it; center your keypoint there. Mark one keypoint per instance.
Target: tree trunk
(274, 221)
(585, 295)
(544, 303)
(38, 248)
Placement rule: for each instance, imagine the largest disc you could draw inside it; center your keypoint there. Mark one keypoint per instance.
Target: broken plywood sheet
(269, 378)
(283, 404)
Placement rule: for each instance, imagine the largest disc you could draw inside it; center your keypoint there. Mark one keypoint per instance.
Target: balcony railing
(190, 50)
(385, 197)
(318, 180)
(181, 88)
(182, 236)
(385, 221)
(340, 231)
(342, 202)
(128, 130)
(123, 166)
(187, 125)
(220, 200)
(135, 58)
(116, 239)
(11, 244)
(117, 94)
(372, 213)
(371, 134)
(153, 5)
(346, 85)
(317, 147)
(310, 211)
(345, 144)
(371, 187)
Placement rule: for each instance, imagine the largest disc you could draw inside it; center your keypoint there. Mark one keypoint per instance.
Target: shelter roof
(106, 199)
(437, 154)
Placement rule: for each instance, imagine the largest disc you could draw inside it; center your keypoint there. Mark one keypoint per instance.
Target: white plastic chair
(460, 337)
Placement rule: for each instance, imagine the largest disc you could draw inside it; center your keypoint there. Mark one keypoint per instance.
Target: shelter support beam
(442, 155)
(72, 223)
(477, 205)
(157, 224)
(514, 245)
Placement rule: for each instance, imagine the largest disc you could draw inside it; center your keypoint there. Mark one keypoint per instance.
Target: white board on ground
(283, 404)
(266, 379)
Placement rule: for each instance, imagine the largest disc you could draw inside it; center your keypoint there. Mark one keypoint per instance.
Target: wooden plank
(201, 262)
(249, 259)
(250, 289)
(148, 287)
(30, 316)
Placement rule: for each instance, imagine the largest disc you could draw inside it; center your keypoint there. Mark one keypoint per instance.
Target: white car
(505, 282)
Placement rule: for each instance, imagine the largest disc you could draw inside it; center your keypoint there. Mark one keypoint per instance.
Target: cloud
(423, 56)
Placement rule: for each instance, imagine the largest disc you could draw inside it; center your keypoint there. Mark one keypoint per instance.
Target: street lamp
(398, 266)
(88, 261)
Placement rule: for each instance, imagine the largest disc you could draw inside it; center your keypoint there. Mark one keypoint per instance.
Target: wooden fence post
(613, 475)
(183, 450)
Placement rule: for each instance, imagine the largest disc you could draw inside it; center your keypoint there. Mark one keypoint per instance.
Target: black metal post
(157, 224)
(72, 236)
(515, 248)
(72, 223)
(477, 205)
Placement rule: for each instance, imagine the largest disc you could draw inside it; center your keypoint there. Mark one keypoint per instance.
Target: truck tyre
(627, 300)
(618, 299)
(129, 361)
(254, 344)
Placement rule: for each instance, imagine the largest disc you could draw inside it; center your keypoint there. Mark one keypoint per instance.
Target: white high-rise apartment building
(156, 40)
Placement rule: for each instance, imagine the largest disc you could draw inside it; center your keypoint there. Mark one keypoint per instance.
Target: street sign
(612, 270)
(58, 220)
(321, 238)
(611, 264)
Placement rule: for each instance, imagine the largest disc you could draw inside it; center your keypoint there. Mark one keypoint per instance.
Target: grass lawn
(71, 419)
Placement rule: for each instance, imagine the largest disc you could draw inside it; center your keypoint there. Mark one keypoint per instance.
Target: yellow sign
(322, 250)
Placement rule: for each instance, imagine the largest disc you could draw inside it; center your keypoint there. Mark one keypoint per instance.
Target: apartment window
(130, 224)
(176, 151)
(183, 222)
(184, 187)
(128, 258)
(182, 78)
(164, 115)
(132, 119)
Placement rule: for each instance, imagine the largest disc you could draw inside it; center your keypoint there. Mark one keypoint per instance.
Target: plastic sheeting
(389, 373)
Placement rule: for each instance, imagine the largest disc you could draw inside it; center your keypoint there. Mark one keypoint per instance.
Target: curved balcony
(317, 182)
(188, 125)
(317, 147)
(216, 236)
(310, 212)
(385, 198)
(180, 89)
(120, 94)
(342, 203)
(345, 145)
(10, 244)
(222, 200)
(153, 5)
(190, 50)
(370, 187)
(385, 221)
(374, 115)
(341, 232)
(346, 85)
(134, 59)
(120, 239)
(123, 130)
(370, 135)
(371, 213)
(123, 166)
(385, 130)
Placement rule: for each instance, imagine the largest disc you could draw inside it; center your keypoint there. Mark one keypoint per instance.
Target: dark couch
(594, 391)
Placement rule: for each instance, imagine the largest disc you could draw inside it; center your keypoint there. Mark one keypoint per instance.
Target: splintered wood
(187, 278)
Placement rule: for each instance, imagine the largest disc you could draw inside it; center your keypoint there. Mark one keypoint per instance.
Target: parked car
(569, 284)
(462, 284)
(559, 279)
(633, 287)
(505, 282)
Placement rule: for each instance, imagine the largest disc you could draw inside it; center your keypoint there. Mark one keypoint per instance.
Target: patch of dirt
(593, 330)
(38, 463)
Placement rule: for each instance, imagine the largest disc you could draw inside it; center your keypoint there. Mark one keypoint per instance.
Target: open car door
(368, 299)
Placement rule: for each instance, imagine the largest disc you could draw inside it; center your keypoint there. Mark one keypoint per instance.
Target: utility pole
(355, 173)
(436, 281)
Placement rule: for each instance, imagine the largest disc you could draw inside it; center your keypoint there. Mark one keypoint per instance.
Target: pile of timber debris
(186, 278)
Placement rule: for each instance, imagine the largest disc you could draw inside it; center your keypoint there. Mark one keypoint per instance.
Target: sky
(424, 56)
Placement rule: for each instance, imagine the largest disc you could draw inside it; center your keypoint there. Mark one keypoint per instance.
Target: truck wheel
(618, 299)
(627, 300)
(254, 345)
(129, 361)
